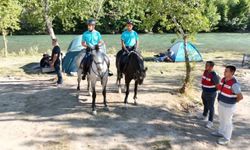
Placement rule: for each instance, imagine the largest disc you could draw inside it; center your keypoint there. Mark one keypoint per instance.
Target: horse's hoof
(135, 102)
(119, 91)
(78, 89)
(94, 112)
(106, 108)
(126, 106)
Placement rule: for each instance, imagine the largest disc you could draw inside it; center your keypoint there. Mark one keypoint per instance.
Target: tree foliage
(9, 15)
(149, 16)
(9, 18)
(62, 12)
(69, 16)
(234, 15)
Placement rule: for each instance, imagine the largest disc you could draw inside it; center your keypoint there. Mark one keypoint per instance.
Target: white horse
(98, 72)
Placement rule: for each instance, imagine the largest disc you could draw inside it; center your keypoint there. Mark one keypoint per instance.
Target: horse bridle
(98, 74)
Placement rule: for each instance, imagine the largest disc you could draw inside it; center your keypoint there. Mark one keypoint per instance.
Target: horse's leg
(127, 82)
(93, 83)
(135, 92)
(88, 85)
(118, 82)
(79, 74)
(120, 87)
(104, 86)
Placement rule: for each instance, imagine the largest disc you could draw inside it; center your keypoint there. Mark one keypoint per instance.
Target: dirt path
(34, 114)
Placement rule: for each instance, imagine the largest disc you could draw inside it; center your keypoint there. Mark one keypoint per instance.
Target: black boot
(84, 72)
(86, 65)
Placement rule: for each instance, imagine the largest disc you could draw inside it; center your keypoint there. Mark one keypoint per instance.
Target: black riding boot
(86, 65)
(84, 72)
(83, 66)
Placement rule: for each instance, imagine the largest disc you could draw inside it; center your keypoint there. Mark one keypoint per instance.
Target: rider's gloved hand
(126, 50)
(96, 47)
(135, 48)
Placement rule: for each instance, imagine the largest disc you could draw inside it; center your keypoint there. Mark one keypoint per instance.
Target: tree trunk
(188, 70)
(48, 20)
(188, 66)
(4, 33)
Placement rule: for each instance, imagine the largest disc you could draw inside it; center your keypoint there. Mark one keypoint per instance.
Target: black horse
(132, 68)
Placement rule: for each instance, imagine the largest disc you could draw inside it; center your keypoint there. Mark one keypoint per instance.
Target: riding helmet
(129, 22)
(91, 22)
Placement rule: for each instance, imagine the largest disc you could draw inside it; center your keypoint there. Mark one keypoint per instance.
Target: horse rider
(91, 40)
(130, 42)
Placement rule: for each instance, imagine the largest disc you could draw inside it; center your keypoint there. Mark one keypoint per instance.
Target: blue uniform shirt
(91, 38)
(129, 38)
(236, 88)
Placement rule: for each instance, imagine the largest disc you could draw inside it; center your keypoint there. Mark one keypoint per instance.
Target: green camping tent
(179, 55)
(69, 61)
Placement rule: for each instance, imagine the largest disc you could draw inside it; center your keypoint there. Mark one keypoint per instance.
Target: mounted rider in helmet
(91, 40)
(129, 42)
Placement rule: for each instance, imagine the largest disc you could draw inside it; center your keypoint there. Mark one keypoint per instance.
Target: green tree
(110, 14)
(148, 15)
(9, 19)
(115, 13)
(211, 12)
(185, 17)
(30, 23)
(69, 12)
(234, 14)
(189, 18)
(248, 23)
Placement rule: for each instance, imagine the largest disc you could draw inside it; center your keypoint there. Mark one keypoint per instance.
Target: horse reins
(98, 74)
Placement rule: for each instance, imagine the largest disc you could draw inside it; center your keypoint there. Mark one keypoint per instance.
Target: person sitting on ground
(168, 56)
(44, 62)
(91, 40)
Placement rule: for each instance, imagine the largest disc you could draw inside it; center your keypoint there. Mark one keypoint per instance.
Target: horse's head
(99, 60)
(140, 75)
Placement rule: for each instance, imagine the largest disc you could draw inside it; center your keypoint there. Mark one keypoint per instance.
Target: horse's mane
(134, 56)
